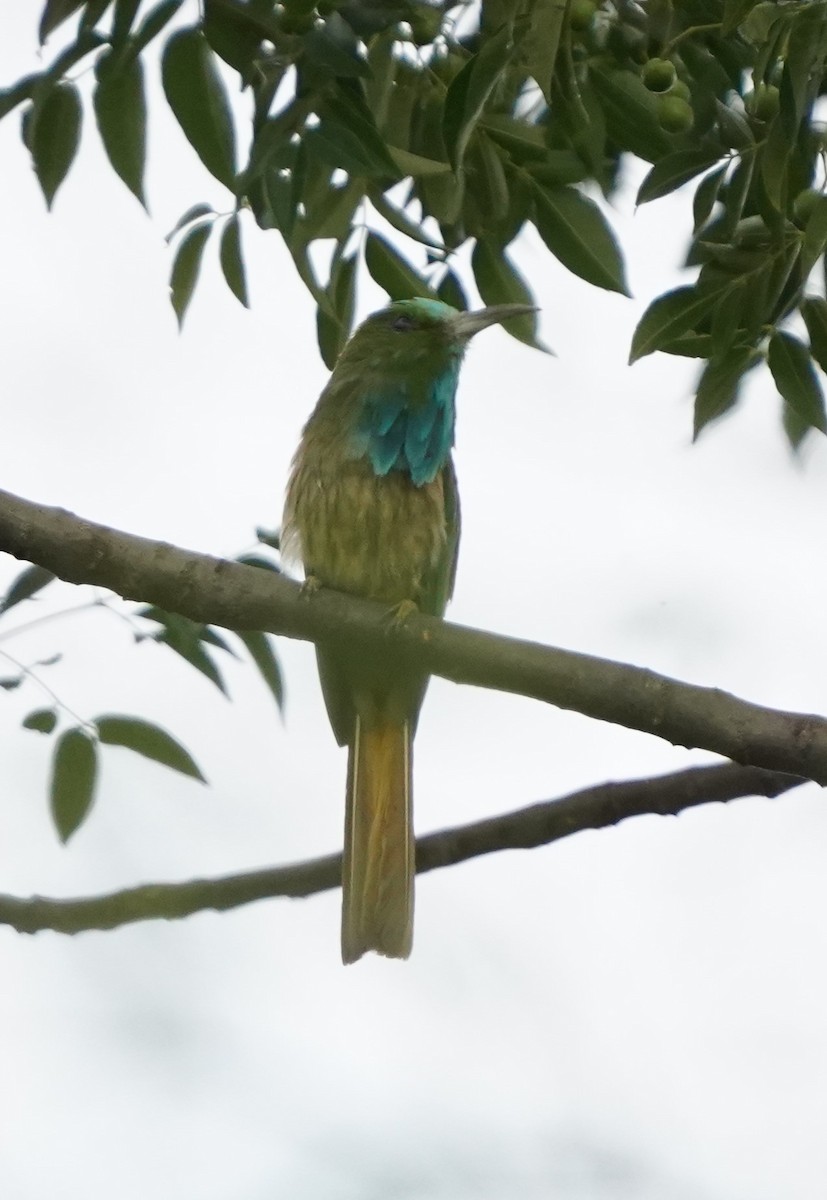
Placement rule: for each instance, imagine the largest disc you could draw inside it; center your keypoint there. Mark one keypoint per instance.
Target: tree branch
(216, 591)
(537, 825)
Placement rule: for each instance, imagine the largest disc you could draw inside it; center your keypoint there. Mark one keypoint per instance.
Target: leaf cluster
(399, 132)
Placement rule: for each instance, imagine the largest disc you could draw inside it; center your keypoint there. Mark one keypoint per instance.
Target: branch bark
(219, 592)
(537, 825)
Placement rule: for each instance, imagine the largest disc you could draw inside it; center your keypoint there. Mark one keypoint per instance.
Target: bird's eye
(403, 324)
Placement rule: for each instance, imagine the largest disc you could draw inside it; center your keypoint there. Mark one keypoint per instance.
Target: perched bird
(372, 509)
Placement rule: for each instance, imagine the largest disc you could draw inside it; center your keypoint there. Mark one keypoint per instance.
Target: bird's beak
(468, 323)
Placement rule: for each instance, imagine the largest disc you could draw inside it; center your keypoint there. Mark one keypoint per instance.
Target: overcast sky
(626, 1015)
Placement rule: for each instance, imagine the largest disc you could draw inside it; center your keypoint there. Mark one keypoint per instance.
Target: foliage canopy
(460, 123)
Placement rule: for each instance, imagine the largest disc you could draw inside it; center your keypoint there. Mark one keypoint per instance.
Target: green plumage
(372, 509)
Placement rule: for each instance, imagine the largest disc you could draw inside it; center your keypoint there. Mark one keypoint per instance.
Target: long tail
(378, 866)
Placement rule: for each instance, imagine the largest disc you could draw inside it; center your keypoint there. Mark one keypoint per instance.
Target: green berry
(763, 103)
(681, 90)
(675, 115)
(581, 13)
(658, 75)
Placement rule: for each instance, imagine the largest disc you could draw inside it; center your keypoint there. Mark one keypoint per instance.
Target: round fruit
(680, 89)
(581, 13)
(658, 75)
(675, 115)
(764, 102)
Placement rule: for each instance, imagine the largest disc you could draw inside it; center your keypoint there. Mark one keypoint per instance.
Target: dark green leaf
(347, 136)
(499, 282)
(815, 236)
(451, 291)
(232, 263)
(674, 170)
(192, 214)
(706, 194)
(469, 90)
(185, 638)
(734, 13)
(74, 773)
(391, 271)
(718, 386)
(334, 48)
(814, 312)
(120, 110)
(631, 113)
(792, 370)
(29, 581)
(186, 267)
(55, 12)
(735, 193)
(261, 652)
(42, 720)
(669, 317)
(734, 127)
(692, 345)
(149, 740)
(541, 42)
(10, 683)
(197, 97)
(775, 158)
(577, 233)
(728, 317)
(794, 427)
(53, 135)
(234, 36)
(154, 21)
(400, 220)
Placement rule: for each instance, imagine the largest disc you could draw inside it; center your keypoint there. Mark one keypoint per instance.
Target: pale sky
(626, 1015)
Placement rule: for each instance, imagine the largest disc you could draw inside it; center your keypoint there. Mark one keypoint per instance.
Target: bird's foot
(401, 613)
(310, 586)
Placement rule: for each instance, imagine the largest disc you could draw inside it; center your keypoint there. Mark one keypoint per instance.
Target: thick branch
(593, 808)
(241, 597)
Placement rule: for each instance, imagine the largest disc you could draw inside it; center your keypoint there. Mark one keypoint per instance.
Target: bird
(372, 509)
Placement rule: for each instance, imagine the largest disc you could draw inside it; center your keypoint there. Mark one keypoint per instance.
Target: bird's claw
(310, 586)
(401, 613)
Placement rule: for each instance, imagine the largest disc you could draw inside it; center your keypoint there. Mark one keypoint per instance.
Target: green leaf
(577, 233)
(728, 317)
(192, 214)
(792, 370)
(185, 638)
(154, 21)
(719, 384)
(42, 720)
(148, 740)
(55, 12)
(469, 90)
(451, 291)
(795, 429)
(631, 113)
(29, 581)
(232, 263)
(674, 170)
(400, 220)
(669, 317)
(74, 774)
(347, 136)
(706, 195)
(499, 282)
(52, 135)
(334, 48)
(391, 271)
(735, 129)
(261, 652)
(10, 683)
(120, 111)
(196, 95)
(542, 40)
(814, 312)
(415, 164)
(186, 267)
(815, 236)
(734, 13)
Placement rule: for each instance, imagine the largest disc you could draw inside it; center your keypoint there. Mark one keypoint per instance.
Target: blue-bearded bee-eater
(372, 509)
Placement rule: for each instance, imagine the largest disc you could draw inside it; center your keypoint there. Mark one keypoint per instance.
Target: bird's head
(420, 337)
(396, 380)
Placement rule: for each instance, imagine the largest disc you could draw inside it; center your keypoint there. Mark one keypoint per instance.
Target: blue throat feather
(399, 432)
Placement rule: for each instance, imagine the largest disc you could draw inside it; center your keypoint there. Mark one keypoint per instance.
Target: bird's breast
(378, 536)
